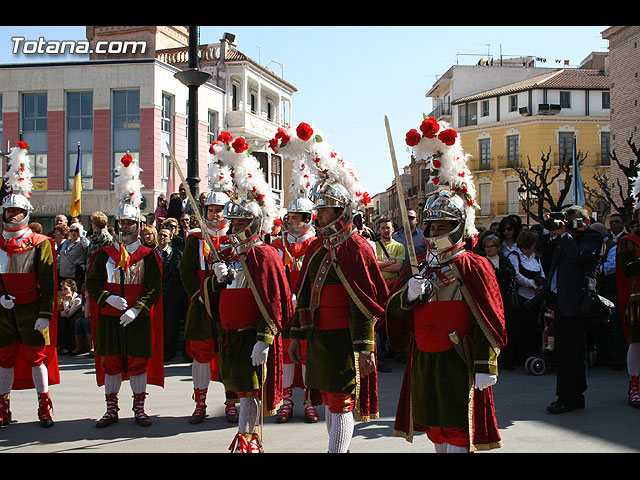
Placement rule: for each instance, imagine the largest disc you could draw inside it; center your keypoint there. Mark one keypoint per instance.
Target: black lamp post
(193, 78)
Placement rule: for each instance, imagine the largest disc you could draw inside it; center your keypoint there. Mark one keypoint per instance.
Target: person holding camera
(525, 338)
(573, 273)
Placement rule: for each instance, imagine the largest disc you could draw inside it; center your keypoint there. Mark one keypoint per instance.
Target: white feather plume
(439, 146)
(308, 146)
(248, 179)
(19, 173)
(126, 183)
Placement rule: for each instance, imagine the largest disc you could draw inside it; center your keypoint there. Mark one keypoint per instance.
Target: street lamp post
(193, 77)
(524, 192)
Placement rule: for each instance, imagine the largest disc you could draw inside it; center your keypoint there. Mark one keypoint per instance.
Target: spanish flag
(124, 258)
(75, 206)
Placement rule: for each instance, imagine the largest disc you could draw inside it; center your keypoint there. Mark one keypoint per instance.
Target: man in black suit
(180, 204)
(573, 270)
(173, 293)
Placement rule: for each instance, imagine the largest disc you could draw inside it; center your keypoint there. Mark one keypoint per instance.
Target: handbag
(513, 303)
(596, 308)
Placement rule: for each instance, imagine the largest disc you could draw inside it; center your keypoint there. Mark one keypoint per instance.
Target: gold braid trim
(257, 298)
(349, 290)
(475, 311)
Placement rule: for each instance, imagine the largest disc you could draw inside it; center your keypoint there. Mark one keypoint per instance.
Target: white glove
(484, 380)
(7, 301)
(221, 270)
(260, 353)
(129, 316)
(416, 286)
(41, 324)
(117, 302)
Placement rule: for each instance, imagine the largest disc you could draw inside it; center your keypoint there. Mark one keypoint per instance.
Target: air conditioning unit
(548, 108)
(524, 111)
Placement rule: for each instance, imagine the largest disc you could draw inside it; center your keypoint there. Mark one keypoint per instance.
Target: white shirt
(527, 287)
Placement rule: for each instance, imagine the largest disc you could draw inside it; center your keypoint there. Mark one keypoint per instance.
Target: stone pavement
(606, 425)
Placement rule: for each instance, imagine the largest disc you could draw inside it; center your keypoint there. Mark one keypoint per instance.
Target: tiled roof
(573, 78)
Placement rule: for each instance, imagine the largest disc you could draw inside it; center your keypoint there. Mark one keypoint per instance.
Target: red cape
(23, 379)
(155, 368)
(264, 265)
(479, 278)
(358, 263)
(623, 285)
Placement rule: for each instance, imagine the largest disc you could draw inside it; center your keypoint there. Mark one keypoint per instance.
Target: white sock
(40, 378)
(342, 425)
(448, 448)
(633, 359)
(6, 380)
(138, 383)
(201, 373)
(288, 372)
(112, 383)
(248, 414)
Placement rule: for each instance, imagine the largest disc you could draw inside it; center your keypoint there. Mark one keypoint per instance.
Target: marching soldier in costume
(628, 281)
(298, 234)
(341, 294)
(253, 297)
(125, 288)
(28, 313)
(449, 314)
(197, 264)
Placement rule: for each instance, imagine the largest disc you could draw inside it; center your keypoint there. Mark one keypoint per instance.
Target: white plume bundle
(248, 179)
(635, 189)
(126, 183)
(439, 146)
(19, 174)
(218, 175)
(307, 146)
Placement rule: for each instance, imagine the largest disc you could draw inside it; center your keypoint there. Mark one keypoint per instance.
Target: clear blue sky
(349, 77)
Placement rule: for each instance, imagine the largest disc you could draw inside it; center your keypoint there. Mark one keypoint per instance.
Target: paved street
(607, 425)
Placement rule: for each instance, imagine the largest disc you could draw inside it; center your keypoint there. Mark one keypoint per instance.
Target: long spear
(205, 233)
(413, 261)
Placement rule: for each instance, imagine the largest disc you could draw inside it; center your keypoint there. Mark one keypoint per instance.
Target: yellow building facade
(517, 124)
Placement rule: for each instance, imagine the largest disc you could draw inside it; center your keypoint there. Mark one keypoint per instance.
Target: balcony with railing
(442, 109)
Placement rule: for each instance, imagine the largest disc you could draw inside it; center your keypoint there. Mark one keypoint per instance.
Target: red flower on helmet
(282, 135)
(23, 145)
(211, 147)
(429, 127)
(239, 145)
(413, 137)
(304, 131)
(225, 137)
(273, 144)
(448, 136)
(126, 160)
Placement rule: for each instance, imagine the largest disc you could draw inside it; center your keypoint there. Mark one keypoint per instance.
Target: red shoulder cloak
(482, 293)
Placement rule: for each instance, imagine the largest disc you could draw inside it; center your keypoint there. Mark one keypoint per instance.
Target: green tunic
(330, 353)
(237, 372)
(440, 381)
(110, 335)
(26, 315)
(198, 323)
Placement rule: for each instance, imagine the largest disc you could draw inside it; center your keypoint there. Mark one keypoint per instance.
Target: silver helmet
(445, 205)
(15, 200)
(250, 235)
(127, 211)
(216, 198)
(328, 194)
(304, 206)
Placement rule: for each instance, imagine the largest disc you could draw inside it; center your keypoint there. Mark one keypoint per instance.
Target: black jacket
(575, 264)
